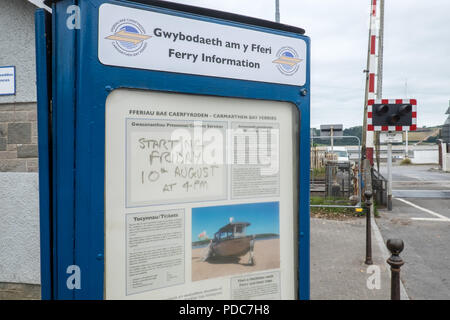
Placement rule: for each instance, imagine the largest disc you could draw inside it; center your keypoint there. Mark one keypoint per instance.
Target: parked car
(341, 153)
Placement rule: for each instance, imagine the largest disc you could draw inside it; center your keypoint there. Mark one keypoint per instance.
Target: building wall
(446, 162)
(17, 47)
(18, 129)
(426, 157)
(19, 228)
(19, 211)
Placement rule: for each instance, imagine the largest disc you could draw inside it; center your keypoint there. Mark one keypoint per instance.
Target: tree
(354, 131)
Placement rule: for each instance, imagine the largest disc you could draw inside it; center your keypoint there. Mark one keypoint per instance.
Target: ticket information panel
(200, 197)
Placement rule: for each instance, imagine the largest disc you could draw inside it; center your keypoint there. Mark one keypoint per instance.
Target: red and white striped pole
(372, 64)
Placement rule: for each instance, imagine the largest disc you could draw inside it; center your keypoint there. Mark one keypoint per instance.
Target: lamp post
(277, 11)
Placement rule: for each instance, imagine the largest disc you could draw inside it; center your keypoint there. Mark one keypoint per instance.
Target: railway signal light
(406, 108)
(381, 109)
(392, 115)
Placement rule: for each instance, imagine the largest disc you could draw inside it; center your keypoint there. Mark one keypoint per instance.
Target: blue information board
(174, 153)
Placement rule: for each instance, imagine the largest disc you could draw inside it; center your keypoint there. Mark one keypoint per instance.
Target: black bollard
(395, 246)
(368, 196)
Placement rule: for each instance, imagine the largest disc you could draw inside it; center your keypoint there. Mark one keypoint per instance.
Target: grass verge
(336, 213)
(405, 162)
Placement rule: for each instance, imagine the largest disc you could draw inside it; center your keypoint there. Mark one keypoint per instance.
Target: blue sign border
(80, 86)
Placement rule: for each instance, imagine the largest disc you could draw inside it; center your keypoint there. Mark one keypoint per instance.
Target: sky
(263, 218)
(416, 52)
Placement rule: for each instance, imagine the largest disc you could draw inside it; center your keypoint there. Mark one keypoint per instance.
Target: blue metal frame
(64, 69)
(43, 115)
(10, 94)
(80, 87)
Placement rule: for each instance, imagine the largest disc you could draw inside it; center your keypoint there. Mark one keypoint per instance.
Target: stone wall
(20, 291)
(18, 138)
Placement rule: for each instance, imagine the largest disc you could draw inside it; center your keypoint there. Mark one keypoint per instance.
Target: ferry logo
(128, 37)
(288, 61)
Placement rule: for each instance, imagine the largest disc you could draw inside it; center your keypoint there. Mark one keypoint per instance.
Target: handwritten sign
(173, 161)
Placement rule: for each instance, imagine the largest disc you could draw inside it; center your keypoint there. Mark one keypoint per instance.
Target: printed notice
(199, 197)
(155, 250)
(255, 170)
(265, 286)
(175, 161)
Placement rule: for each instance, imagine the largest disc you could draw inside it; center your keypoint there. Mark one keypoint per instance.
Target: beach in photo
(235, 239)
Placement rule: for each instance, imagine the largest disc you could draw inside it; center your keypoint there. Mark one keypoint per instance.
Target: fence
(335, 176)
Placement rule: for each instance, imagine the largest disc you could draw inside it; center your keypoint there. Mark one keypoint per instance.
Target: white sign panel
(391, 137)
(199, 197)
(7, 81)
(144, 39)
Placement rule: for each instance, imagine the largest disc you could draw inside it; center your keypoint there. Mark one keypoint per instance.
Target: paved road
(421, 217)
(418, 178)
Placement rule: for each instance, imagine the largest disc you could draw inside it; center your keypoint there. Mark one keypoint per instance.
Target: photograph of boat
(231, 241)
(235, 239)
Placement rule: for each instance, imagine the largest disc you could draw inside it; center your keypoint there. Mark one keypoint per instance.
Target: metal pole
(380, 75)
(380, 52)
(366, 98)
(395, 246)
(277, 11)
(368, 198)
(406, 149)
(389, 168)
(332, 141)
